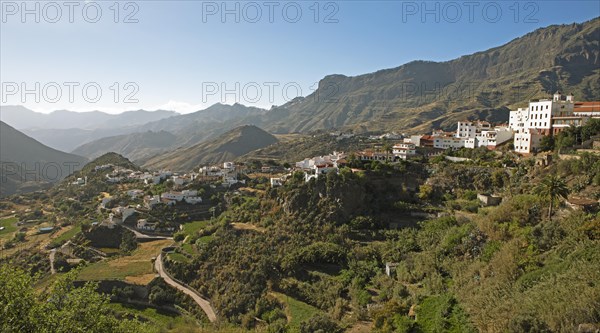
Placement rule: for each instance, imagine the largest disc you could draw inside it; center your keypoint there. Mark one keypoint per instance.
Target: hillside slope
(27, 164)
(187, 130)
(226, 147)
(134, 146)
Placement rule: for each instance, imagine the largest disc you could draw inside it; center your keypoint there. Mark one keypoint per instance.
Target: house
(231, 180)
(105, 201)
(481, 134)
(80, 181)
(369, 155)
(189, 193)
(584, 204)
(309, 163)
(228, 166)
(174, 196)
(168, 202)
(180, 180)
(151, 201)
(102, 167)
(426, 141)
(489, 200)
(390, 267)
(112, 179)
(134, 194)
(445, 141)
(275, 182)
(319, 170)
(192, 200)
(123, 212)
(587, 109)
(404, 150)
(113, 219)
(212, 171)
(143, 224)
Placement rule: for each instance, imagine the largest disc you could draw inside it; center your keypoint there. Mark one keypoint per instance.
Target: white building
(404, 150)
(189, 193)
(150, 179)
(112, 179)
(123, 212)
(470, 129)
(143, 224)
(309, 163)
(103, 167)
(135, 193)
(212, 171)
(319, 170)
(192, 200)
(181, 180)
(536, 121)
(275, 182)
(231, 180)
(151, 201)
(441, 141)
(493, 138)
(527, 140)
(478, 134)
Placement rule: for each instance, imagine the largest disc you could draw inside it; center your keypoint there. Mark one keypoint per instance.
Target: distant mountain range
(65, 130)
(26, 164)
(226, 147)
(413, 98)
(20, 118)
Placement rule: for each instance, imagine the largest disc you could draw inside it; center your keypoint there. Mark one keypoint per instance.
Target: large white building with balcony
(531, 124)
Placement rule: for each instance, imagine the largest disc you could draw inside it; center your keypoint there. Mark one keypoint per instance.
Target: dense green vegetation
(326, 243)
(310, 256)
(62, 308)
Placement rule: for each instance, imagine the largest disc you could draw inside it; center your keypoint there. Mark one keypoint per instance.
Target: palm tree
(552, 187)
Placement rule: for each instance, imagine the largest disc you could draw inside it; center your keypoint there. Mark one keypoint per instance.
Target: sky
(187, 55)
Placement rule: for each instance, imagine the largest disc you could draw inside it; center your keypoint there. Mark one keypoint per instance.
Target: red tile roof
(587, 107)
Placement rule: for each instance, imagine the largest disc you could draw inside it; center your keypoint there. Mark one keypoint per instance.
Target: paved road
(204, 304)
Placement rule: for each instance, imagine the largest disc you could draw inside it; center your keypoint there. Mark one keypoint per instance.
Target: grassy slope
(134, 268)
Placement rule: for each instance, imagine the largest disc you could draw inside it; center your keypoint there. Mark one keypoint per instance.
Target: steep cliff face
(421, 95)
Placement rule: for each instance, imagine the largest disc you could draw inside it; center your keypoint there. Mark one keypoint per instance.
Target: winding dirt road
(204, 304)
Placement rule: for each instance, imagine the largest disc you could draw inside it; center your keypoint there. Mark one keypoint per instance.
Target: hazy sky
(186, 55)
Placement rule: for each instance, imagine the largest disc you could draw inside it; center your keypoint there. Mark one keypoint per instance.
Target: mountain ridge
(28, 164)
(226, 147)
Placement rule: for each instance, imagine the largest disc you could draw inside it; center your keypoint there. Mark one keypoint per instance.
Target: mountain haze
(20, 118)
(65, 130)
